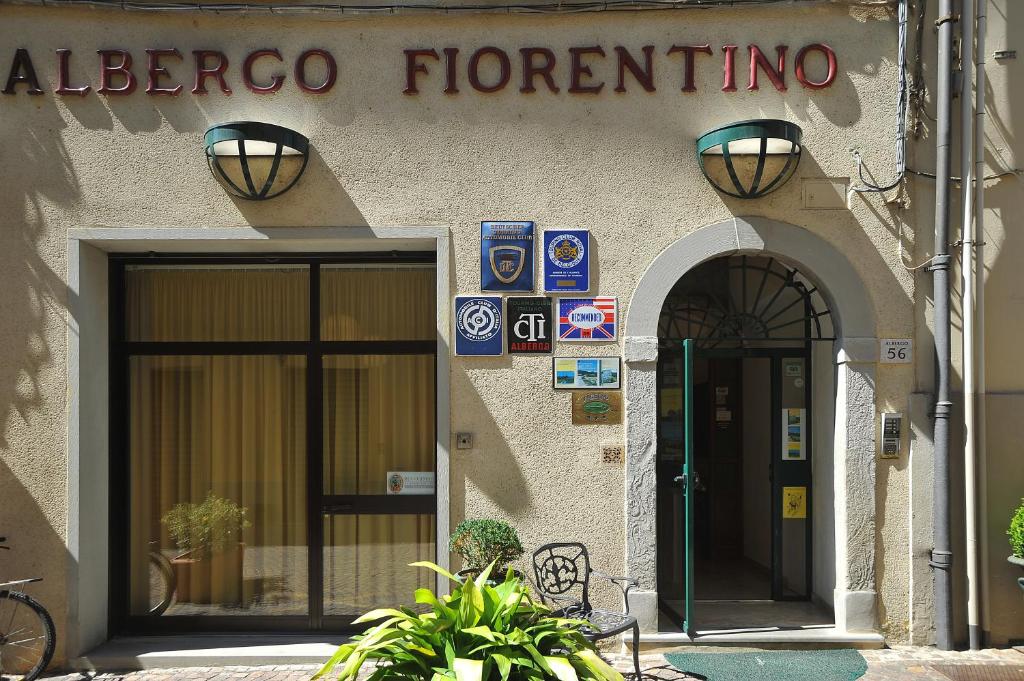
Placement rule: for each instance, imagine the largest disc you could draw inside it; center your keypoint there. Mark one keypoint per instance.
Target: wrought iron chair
(562, 576)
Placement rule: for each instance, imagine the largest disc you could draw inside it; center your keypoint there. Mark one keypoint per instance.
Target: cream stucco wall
(620, 164)
(1002, 608)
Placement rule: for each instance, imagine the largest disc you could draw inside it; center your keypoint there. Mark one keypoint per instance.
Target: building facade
(323, 369)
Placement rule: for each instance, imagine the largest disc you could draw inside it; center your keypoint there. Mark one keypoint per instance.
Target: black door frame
(318, 504)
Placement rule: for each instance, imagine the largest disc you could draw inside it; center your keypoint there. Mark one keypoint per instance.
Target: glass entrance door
(274, 439)
(734, 480)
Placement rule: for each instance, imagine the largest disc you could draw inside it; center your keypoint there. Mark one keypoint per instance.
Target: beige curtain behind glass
(234, 427)
(378, 417)
(365, 303)
(248, 303)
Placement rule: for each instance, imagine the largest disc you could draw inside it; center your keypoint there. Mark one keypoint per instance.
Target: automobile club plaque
(506, 256)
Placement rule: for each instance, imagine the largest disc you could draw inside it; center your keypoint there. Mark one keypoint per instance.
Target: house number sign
(896, 351)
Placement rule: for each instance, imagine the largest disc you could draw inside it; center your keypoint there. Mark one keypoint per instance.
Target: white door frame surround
(88, 367)
(856, 352)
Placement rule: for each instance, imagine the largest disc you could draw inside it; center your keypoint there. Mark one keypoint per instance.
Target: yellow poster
(794, 502)
(672, 402)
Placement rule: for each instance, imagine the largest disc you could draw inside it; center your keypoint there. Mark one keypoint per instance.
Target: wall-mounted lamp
(749, 159)
(256, 161)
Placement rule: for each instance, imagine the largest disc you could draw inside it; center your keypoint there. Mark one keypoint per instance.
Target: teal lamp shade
(256, 161)
(749, 159)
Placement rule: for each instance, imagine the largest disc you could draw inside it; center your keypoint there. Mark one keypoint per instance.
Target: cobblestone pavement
(899, 664)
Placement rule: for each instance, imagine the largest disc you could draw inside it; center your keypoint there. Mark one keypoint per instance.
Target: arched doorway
(753, 388)
(851, 355)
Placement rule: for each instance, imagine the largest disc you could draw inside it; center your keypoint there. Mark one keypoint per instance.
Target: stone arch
(856, 352)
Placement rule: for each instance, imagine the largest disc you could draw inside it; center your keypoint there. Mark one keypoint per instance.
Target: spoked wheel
(27, 637)
(161, 583)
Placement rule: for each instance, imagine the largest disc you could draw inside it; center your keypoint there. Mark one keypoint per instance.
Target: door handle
(337, 508)
(680, 479)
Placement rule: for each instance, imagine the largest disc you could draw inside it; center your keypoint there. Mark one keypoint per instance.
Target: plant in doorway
(209, 534)
(479, 632)
(484, 542)
(1016, 534)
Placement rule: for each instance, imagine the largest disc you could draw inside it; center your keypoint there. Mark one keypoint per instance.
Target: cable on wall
(902, 101)
(569, 7)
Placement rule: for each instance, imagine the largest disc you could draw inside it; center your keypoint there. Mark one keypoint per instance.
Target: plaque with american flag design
(588, 319)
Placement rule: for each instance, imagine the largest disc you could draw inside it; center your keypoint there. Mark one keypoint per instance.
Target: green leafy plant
(479, 632)
(1016, 531)
(485, 541)
(212, 526)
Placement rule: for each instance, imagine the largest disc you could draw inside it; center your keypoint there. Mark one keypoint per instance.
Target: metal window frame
(120, 619)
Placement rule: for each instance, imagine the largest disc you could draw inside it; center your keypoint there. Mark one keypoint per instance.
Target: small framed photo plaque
(586, 373)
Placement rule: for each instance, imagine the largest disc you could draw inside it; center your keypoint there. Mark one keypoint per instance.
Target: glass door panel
(378, 418)
(793, 483)
(218, 485)
(378, 480)
(366, 561)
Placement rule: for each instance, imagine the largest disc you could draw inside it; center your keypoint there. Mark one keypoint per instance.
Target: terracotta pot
(1019, 562)
(195, 577)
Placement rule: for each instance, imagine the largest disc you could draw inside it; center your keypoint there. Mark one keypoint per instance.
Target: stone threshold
(794, 639)
(135, 653)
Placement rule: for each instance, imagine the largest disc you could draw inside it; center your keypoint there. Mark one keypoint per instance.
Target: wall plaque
(478, 325)
(506, 256)
(528, 325)
(570, 373)
(593, 407)
(566, 255)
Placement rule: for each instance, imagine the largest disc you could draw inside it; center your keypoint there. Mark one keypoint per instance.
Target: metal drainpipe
(967, 314)
(942, 554)
(979, 257)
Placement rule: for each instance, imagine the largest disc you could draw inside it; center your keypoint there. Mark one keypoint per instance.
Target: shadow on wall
(33, 470)
(490, 469)
(318, 199)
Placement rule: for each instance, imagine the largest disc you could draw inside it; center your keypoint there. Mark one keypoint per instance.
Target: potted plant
(209, 535)
(477, 633)
(1016, 534)
(484, 542)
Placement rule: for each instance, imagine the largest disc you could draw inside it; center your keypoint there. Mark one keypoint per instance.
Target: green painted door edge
(688, 485)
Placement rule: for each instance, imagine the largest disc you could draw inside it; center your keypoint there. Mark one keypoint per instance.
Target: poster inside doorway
(793, 432)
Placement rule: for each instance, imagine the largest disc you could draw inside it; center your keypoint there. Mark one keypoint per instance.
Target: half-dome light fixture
(256, 161)
(749, 159)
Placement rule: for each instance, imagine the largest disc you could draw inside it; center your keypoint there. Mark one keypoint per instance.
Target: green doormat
(773, 665)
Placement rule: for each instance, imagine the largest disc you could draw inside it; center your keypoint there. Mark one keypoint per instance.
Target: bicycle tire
(49, 634)
(170, 582)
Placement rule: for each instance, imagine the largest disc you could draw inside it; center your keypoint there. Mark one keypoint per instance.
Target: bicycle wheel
(27, 637)
(161, 583)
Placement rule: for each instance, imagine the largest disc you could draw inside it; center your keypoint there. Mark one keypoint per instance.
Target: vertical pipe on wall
(967, 315)
(942, 555)
(979, 312)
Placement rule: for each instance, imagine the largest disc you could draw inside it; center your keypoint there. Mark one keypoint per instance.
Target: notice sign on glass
(410, 482)
(566, 255)
(793, 435)
(506, 256)
(794, 503)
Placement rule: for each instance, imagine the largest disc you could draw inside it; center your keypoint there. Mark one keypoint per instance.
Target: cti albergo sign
(578, 70)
